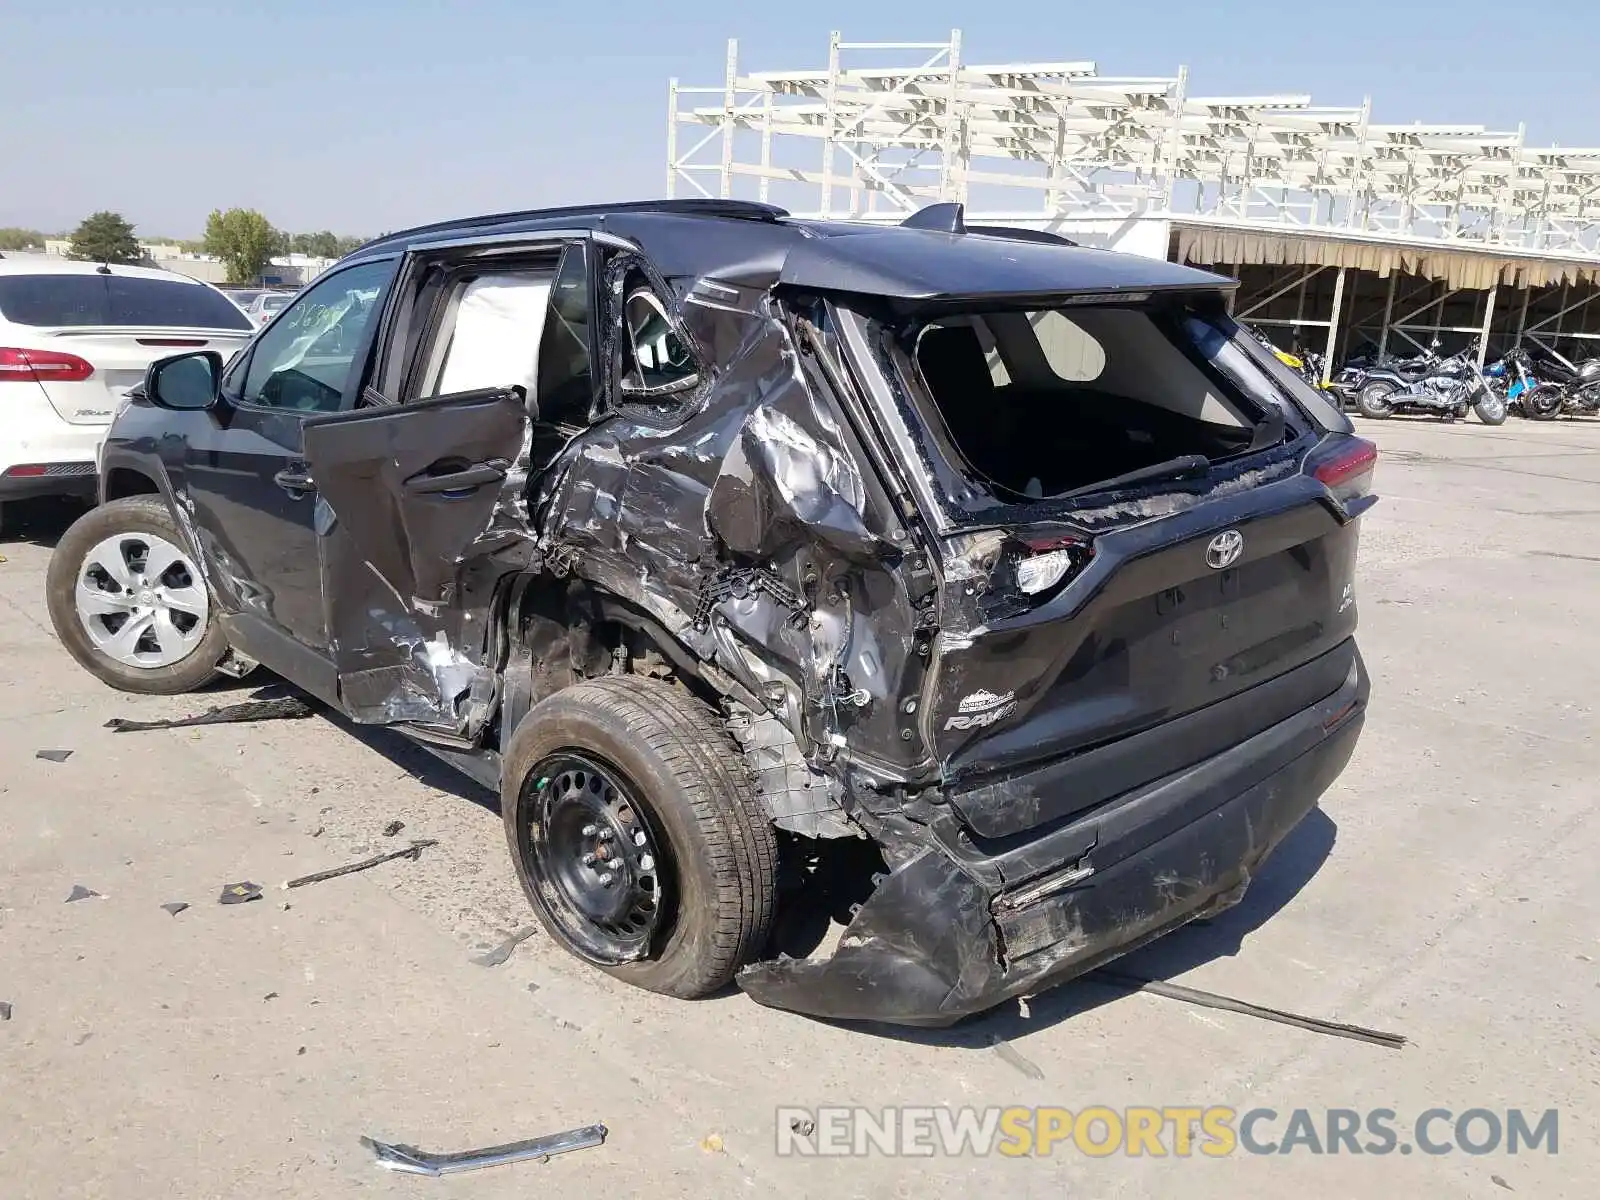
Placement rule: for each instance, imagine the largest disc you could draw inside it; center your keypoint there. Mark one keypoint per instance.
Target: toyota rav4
(724, 544)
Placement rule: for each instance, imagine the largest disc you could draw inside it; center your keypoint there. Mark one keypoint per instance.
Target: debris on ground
(1173, 991)
(174, 907)
(804, 1126)
(411, 1161)
(56, 756)
(413, 852)
(5, 1010)
(270, 996)
(1498, 1182)
(503, 951)
(82, 1038)
(392, 828)
(291, 709)
(79, 892)
(240, 893)
(712, 1143)
(1015, 1057)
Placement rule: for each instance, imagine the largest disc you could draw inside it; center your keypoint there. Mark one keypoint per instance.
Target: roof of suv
(932, 256)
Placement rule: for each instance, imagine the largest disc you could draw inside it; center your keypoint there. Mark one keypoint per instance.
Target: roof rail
(745, 210)
(1020, 234)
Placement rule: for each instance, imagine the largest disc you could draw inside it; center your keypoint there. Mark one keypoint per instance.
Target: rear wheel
(1376, 401)
(1542, 404)
(638, 836)
(128, 602)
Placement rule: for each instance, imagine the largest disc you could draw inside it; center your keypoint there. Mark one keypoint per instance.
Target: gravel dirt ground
(1444, 891)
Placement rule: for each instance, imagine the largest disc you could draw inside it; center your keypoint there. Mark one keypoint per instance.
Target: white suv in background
(74, 337)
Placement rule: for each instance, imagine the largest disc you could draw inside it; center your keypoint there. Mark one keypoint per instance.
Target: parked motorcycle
(1444, 387)
(1564, 386)
(1515, 379)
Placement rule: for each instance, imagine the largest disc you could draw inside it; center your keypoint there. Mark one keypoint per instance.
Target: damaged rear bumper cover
(946, 936)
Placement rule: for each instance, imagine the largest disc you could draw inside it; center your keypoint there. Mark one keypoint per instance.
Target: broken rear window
(1051, 403)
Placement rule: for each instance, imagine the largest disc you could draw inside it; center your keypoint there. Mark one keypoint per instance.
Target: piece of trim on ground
(413, 852)
(1175, 991)
(409, 1160)
(504, 950)
(290, 709)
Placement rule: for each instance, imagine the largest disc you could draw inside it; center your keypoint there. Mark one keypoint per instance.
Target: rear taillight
(1045, 562)
(42, 366)
(1344, 465)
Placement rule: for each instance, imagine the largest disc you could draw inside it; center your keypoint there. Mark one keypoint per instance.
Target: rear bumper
(956, 930)
(58, 479)
(35, 436)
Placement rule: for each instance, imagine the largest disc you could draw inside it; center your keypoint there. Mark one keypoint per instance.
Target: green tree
(244, 240)
(21, 239)
(322, 244)
(106, 237)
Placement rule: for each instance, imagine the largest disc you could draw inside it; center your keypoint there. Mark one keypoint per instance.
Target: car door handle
(294, 481)
(468, 479)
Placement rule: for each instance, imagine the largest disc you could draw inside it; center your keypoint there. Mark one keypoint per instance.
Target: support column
(1522, 318)
(832, 117)
(672, 138)
(729, 98)
(764, 188)
(1333, 327)
(1488, 322)
(1388, 314)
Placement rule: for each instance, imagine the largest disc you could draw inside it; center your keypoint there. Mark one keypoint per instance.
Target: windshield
(130, 300)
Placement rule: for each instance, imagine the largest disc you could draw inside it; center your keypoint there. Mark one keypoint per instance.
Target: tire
(1546, 410)
(1373, 401)
(1491, 409)
(202, 646)
(679, 770)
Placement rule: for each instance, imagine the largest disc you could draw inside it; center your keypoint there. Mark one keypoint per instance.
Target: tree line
(242, 238)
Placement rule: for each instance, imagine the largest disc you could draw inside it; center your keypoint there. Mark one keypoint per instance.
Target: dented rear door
(404, 493)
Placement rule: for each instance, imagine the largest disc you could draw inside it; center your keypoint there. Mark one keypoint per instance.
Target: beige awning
(1458, 268)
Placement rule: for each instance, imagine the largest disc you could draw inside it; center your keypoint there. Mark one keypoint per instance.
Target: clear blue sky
(364, 115)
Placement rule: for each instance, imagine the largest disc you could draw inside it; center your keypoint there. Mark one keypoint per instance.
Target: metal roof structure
(1048, 140)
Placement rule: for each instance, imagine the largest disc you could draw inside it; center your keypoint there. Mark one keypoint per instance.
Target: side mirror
(184, 382)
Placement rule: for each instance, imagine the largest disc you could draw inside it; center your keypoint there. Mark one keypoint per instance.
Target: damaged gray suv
(989, 593)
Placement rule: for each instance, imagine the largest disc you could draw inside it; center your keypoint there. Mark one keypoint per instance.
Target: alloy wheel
(141, 600)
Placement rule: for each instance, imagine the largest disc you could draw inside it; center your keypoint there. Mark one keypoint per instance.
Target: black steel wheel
(638, 836)
(595, 861)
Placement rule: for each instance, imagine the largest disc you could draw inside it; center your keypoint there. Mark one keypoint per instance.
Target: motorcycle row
(1530, 380)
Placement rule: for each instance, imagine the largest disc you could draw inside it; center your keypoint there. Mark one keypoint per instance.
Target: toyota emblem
(1224, 549)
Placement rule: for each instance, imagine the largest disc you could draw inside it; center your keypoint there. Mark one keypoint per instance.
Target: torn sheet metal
(408, 1160)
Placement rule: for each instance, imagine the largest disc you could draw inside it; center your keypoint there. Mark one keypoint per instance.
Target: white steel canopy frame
(1042, 141)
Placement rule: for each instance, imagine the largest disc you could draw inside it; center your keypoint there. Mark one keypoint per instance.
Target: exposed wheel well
(124, 481)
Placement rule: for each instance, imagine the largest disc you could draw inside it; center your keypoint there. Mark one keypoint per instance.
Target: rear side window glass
(126, 300)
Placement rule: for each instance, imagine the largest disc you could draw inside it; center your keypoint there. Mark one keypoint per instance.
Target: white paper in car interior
(496, 343)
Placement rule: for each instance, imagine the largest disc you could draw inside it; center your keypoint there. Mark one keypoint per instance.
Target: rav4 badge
(981, 709)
